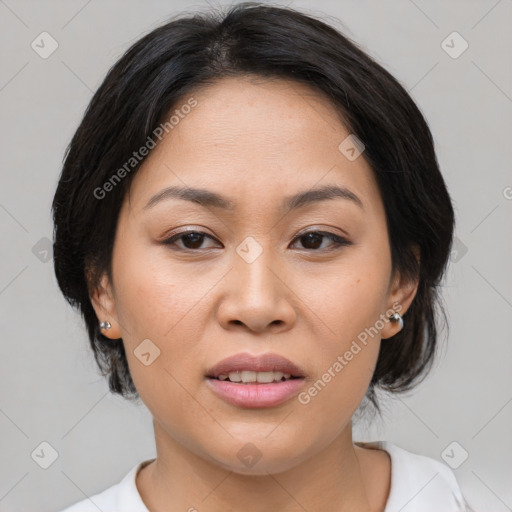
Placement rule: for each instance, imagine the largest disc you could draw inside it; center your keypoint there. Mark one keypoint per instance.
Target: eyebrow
(207, 198)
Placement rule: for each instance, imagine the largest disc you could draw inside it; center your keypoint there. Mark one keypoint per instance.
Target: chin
(263, 467)
(259, 457)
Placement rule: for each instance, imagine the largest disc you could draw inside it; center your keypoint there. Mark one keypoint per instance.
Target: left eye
(313, 240)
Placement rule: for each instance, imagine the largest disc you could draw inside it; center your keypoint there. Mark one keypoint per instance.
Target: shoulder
(121, 496)
(105, 501)
(419, 483)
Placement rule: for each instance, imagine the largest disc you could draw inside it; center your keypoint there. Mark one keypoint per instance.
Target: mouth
(253, 377)
(249, 381)
(247, 368)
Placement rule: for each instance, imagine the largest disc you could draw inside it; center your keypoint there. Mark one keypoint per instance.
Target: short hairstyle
(254, 39)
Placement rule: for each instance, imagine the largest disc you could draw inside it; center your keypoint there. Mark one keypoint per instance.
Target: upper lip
(261, 363)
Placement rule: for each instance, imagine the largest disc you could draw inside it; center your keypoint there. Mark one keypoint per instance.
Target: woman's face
(250, 280)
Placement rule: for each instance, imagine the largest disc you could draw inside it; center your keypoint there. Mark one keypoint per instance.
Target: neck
(339, 477)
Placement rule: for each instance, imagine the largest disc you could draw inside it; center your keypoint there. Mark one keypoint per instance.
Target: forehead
(255, 110)
(251, 135)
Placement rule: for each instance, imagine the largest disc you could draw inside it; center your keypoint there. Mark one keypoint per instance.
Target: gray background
(50, 388)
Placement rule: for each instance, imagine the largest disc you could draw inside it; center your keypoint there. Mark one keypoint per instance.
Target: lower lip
(255, 395)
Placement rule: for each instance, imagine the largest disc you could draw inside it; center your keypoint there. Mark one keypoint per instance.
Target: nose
(256, 297)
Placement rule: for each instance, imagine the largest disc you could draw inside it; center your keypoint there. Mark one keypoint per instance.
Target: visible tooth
(235, 377)
(265, 377)
(248, 376)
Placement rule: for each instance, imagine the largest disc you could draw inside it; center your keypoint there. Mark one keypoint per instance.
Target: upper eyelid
(314, 228)
(324, 232)
(301, 233)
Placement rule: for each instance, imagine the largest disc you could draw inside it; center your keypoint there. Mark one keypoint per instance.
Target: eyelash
(338, 240)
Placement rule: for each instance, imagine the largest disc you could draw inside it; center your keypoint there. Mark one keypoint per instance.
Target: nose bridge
(254, 262)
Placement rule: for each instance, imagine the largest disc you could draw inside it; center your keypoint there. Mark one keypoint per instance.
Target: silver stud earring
(397, 317)
(105, 325)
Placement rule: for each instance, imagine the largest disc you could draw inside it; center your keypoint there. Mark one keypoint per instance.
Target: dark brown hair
(271, 42)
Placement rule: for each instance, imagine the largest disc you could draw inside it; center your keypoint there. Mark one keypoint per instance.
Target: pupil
(194, 238)
(312, 237)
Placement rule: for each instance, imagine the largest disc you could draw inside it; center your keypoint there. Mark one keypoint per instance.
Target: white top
(418, 484)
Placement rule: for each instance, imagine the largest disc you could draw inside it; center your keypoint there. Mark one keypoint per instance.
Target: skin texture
(256, 142)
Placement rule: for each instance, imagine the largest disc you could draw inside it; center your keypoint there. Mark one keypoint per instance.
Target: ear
(102, 300)
(401, 294)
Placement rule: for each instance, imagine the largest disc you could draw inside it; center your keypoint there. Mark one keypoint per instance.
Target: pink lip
(263, 363)
(255, 395)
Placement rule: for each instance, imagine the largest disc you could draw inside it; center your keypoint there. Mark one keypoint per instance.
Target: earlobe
(103, 302)
(401, 296)
(395, 323)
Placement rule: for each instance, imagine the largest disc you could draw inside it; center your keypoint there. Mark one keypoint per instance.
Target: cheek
(157, 300)
(154, 293)
(348, 301)
(348, 307)
(330, 401)
(347, 354)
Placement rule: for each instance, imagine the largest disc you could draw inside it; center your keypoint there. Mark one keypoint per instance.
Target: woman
(252, 222)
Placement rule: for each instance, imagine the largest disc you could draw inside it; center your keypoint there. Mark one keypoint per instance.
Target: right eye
(192, 240)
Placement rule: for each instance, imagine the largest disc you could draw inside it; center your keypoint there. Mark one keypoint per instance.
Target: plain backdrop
(50, 389)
